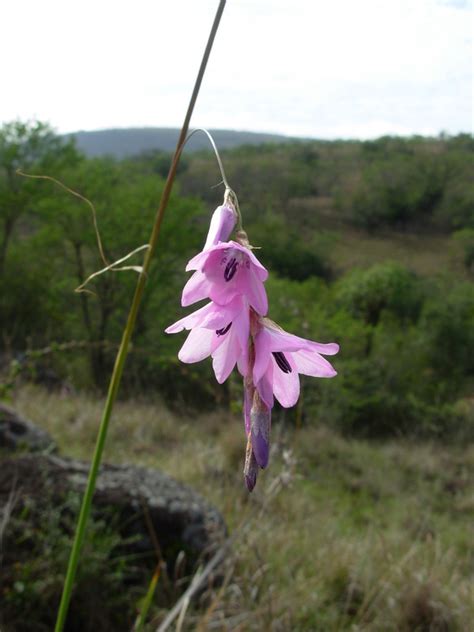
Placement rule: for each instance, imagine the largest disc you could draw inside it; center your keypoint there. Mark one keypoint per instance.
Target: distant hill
(121, 143)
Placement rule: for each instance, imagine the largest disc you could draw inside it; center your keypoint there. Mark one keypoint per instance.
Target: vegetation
(361, 535)
(369, 244)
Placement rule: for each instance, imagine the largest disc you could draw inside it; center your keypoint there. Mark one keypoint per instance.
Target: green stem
(127, 334)
(140, 622)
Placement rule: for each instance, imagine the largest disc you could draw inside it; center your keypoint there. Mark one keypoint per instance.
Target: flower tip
(251, 480)
(250, 467)
(222, 224)
(173, 330)
(261, 449)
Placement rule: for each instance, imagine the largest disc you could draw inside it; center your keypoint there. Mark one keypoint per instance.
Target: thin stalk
(127, 334)
(140, 622)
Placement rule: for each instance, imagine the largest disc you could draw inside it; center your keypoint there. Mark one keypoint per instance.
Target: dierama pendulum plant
(233, 328)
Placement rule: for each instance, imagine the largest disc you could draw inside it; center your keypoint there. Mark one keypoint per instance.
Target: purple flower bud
(260, 423)
(222, 224)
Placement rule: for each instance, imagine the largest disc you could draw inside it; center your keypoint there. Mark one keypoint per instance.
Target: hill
(122, 143)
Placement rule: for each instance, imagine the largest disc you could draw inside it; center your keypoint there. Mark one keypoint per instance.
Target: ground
(338, 535)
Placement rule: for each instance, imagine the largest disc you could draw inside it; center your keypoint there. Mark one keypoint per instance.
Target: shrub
(384, 287)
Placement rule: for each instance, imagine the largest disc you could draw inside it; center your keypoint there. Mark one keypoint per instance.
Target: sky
(310, 68)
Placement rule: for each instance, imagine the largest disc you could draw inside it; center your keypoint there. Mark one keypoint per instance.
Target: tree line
(407, 341)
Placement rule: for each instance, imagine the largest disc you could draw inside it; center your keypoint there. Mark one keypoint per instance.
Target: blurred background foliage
(370, 244)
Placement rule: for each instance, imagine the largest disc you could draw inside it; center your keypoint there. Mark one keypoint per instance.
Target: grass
(362, 536)
(424, 254)
(421, 249)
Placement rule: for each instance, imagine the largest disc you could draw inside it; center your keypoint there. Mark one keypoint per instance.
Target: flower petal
(265, 386)
(262, 354)
(197, 346)
(255, 292)
(242, 331)
(197, 288)
(198, 261)
(262, 272)
(331, 348)
(283, 341)
(286, 385)
(243, 364)
(195, 319)
(225, 356)
(311, 363)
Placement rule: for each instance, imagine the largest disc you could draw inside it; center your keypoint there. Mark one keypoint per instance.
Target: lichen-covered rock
(140, 518)
(17, 433)
(151, 506)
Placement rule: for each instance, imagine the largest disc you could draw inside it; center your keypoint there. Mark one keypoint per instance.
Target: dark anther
(282, 362)
(230, 269)
(224, 330)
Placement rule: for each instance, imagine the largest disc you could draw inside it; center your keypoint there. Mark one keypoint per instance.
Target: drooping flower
(222, 224)
(232, 329)
(280, 357)
(225, 271)
(219, 331)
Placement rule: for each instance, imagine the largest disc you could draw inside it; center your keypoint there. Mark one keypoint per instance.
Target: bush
(448, 325)
(366, 294)
(397, 190)
(463, 241)
(286, 253)
(36, 550)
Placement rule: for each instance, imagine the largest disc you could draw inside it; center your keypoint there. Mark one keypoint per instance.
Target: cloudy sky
(325, 69)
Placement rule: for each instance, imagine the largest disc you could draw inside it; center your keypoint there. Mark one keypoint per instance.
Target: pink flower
(222, 224)
(219, 331)
(232, 330)
(225, 271)
(280, 357)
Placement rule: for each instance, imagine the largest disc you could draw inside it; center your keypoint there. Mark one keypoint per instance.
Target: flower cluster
(233, 329)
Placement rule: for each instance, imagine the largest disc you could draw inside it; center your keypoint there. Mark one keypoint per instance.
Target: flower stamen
(231, 269)
(224, 330)
(282, 362)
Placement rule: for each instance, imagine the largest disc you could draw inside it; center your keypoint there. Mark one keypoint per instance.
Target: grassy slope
(426, 255)
(364, 537)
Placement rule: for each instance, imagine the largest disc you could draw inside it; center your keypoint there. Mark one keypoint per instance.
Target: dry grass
(426, 255)
(364, 536)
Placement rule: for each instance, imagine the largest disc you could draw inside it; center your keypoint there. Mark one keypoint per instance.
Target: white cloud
(308, 68)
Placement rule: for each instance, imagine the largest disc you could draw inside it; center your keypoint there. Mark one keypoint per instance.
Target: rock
(139, 517)
(17, 433)
(150, 506)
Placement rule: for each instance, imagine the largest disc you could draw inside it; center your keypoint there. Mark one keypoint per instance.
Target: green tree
(30, 146)
(125, 201)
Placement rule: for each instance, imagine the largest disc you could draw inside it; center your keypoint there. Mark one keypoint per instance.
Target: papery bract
(225, 271)
(250, 466)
